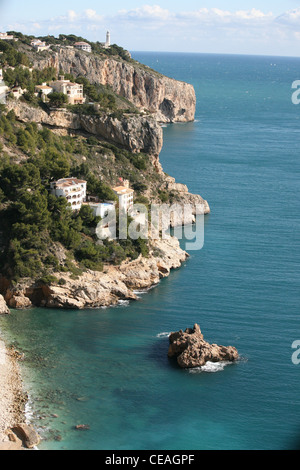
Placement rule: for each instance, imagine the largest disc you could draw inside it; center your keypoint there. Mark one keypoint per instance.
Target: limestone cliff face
(135, 133)
(169, 99)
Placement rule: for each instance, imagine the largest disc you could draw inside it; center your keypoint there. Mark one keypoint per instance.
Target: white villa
(74, 91)
(17, 92)
(83, 46)
(73, 189)
(39, 45)
(3, 88)
(125, 195)
(7, 37)
(44, 90)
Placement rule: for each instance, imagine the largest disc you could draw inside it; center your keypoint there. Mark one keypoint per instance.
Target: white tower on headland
(107, 44)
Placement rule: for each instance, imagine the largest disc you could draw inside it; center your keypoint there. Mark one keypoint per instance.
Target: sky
(262, 27)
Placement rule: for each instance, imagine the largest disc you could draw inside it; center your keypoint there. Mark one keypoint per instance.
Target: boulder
(4, 310)
(27, 434)
(191, 350)
(20, 302)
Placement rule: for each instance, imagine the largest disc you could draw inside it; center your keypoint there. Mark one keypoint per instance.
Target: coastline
(12, 397)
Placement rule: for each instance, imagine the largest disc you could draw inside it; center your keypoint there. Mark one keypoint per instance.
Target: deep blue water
(109, 368)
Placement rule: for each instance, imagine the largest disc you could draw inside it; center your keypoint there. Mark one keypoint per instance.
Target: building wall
(75, 194)
(74, 93)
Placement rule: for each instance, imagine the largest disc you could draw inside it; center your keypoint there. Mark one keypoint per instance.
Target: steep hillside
(49, 255)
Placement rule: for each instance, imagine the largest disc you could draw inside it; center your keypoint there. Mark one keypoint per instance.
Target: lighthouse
(107, 44)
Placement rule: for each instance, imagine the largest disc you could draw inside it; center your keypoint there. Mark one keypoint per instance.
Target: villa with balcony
(39, 46)
(83, 46)
(74, 91)
(72, 189)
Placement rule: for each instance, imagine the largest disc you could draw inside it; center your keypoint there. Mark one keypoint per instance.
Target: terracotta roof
(122, 190)
(44, 87)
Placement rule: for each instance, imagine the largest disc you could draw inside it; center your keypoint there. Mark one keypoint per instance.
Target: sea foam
(210, 367)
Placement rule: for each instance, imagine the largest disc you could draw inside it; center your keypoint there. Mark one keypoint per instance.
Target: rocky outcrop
(4, 310)
(191, 350)
(133, 132)
(102, 289)
(27, 435)
(170, 100)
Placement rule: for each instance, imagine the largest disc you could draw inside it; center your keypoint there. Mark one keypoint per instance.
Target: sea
(108, 369)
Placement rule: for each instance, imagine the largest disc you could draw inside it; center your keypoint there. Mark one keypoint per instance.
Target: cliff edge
(168, 99)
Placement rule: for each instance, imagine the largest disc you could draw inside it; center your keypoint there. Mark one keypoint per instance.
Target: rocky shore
(100, 289)
(12, 404)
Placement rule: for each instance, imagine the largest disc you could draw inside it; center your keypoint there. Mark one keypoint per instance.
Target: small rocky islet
(191, 350)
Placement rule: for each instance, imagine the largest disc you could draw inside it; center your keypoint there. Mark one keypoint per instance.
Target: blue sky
(264, 27)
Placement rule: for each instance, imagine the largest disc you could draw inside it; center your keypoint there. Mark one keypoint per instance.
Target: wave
(210, 367)
(123, 303)
(163, 335)
(139, 292)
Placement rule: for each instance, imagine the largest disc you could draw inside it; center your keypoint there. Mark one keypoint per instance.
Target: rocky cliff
(133, 132)
(170, 100)
(96, 289)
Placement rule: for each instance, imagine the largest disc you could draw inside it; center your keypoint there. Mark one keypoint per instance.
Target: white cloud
(134, 28)
(289, 18)
(146, 12)
(92, 15)
(72, 15)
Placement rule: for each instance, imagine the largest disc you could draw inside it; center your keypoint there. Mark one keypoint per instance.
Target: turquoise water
(109, 368)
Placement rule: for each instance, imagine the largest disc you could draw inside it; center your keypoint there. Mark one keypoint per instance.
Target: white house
(73, 189)
(125, 195)
(83, 46)
(44, 90)
(17, 92)
(101, 209)
(6, 37)
(39, 45)
(74, 91)
(3, 89)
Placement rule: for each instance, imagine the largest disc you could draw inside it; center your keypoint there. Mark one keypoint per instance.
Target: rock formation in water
(191, 350)
(170, 100)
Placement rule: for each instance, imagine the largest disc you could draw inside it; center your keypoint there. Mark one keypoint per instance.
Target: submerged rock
(191, 350)
(82, 427)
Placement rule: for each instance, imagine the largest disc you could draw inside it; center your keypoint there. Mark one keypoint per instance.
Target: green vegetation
(69, 40)
(40, 236)
(35, 223)
(57, 100)
(11, 56)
